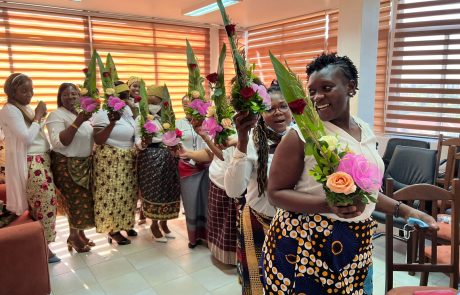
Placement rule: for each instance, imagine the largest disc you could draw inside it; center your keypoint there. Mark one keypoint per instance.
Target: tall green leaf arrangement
(111, 101)
(89, 101)
(198, 106)
(146, 124)
(346, 177)
(246, 95)
(218, 123)
(171, 135)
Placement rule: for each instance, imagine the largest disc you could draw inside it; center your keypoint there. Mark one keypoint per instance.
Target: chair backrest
(452, 169)
(448, 142)
(425, 193)
(411, 165)
(393, 142)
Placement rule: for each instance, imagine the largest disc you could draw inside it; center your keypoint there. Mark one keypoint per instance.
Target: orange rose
(341, 183)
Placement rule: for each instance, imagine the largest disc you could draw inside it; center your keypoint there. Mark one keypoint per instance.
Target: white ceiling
(246, 14)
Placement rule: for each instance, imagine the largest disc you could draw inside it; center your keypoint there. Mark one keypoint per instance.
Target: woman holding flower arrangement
(248, 170)
(114, 175)
(28, 172)
(320, 240)
(71, 136)
(157, 170)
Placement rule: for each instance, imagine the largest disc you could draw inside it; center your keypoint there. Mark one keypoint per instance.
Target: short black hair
(343, 62)
(274, 87)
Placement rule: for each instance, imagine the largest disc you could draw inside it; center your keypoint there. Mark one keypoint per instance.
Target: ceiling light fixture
(209, 8)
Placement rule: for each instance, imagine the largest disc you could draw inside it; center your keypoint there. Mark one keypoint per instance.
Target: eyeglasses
(283, 108)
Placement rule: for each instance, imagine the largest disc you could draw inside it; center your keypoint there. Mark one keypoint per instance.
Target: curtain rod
(117, 16)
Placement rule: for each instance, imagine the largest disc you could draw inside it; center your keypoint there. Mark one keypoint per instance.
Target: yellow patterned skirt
(115, 188)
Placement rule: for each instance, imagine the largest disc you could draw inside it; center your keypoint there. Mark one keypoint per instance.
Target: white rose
(110, 91)
(331, 141)
(211, 111)
(83, 91)
(166, 125)
(226, 123)
(195, 94)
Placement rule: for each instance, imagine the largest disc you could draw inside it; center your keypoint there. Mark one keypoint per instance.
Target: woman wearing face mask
(313, 247)
(28, 173)
(71, 137)
(248, 170)
(158, 176)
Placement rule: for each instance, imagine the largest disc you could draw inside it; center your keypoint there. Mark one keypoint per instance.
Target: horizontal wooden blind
(424, 90)
(229, 69)
(297, 41)
(49, 48)
(154, 52)
(382, 58)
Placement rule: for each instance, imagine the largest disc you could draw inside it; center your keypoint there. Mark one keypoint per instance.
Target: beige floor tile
(112, 268)
(163, 271)
(72, 281)
(194, 261)
(219, 278)
(183, 285)
(230, 289)
(92, 289)
(146, 258)
(130, 283)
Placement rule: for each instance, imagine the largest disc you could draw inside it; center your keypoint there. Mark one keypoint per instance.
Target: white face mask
(154, 108)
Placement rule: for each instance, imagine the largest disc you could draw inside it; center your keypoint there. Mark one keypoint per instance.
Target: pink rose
(200, 106)
(366, 175)
(88, 104)
(170, 138)
(151, 127)
(116, 103)
(211, 126)
(260, 89)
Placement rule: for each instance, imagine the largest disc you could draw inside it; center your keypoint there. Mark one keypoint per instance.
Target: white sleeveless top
(367, 148)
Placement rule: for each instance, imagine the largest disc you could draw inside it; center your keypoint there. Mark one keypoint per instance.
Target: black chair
(394, 142)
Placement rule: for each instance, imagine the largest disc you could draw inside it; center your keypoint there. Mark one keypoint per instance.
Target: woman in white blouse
(71, 136)
(248, 170)
(314, 247)
(29, 178)
(114, 173)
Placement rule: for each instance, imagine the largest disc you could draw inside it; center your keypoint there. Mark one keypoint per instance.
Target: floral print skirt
(41, 193)
(115, 188)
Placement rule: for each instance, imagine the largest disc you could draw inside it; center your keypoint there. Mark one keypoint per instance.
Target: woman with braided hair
(248, 170)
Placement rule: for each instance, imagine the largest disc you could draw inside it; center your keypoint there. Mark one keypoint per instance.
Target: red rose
(137, 99)
(166, 104)
(50, 214)
(297, 106)
(247, 92)
(178, 133)
(37, 204)
(192, 66)
(212, 78)
(85, 70)
(106, 74)
(39, 216)
(230, 29)
(37, 172)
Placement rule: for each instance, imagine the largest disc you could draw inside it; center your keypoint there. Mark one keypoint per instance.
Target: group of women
(251, 199)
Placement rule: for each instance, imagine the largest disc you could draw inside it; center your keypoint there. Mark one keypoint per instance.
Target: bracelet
(396, 209)
(74, 126)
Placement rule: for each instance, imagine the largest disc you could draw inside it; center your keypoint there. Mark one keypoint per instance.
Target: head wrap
(132, 80)
(154, 90)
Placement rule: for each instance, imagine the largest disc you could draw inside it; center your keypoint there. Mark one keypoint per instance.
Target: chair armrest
(24, 260)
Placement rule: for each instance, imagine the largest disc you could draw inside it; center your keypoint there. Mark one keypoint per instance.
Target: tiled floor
(146, 267)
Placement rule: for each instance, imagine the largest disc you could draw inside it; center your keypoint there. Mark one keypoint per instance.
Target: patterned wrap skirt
(159, 183)
(114, 189)
(222, 230)
(314, 254)
(72, 177)
(253, 228)
(41, 193)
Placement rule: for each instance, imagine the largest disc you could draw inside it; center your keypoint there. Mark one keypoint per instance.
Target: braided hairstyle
(344, 63)
(12, 83)
(262, 134)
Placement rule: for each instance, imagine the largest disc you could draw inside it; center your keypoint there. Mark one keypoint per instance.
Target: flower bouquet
(218, 123)
(346, 177)
(198, 106)
(246, 95)
(146, 121)
(89, 101)
(111, 102)
(171, 135)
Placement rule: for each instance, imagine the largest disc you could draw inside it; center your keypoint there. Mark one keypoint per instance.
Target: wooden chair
(424, 193)
(443, 180)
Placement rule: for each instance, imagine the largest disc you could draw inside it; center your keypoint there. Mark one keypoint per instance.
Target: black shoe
(119, 238)
(131, 233)
(191, 246)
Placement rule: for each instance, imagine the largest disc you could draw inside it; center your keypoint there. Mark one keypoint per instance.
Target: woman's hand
(244, 122)
(350, 211)
(40, 111)
(82, 117)
(113, 116)
(428, 219)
